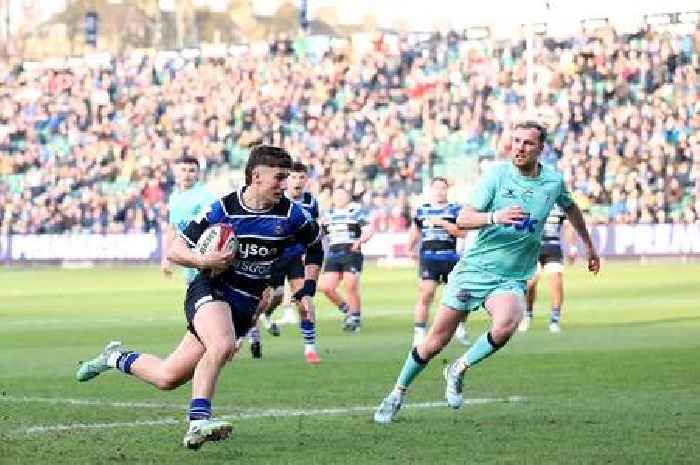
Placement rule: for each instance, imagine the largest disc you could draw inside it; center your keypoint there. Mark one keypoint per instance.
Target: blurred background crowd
(91, 149)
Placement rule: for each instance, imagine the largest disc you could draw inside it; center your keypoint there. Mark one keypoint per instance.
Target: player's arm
(181, 253)
(471, 218)
(413, 239)
(452, 228)
(366, 233)
(168, 237)
(309, 236)
(569, 241)
(575, 217)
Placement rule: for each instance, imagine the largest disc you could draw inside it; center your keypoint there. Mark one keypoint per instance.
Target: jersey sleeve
(306, 231)
(213, 215)
(314, 210)
(484, 193)
(564, 199)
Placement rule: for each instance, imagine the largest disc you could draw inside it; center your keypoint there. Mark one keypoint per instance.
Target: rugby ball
(218, 237)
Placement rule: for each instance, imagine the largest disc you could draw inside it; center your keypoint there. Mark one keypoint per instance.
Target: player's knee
(426, 297)
(168, 381)
(221, 351)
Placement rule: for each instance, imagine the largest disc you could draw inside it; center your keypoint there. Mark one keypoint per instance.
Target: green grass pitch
(619, 385)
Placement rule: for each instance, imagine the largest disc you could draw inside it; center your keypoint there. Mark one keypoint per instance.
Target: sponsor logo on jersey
(255, 250)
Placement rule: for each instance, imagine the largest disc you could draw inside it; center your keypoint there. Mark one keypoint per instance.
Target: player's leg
(328, 284)
(214, 326)
(277, 286)
(352, 270)
(173, 371)
(426, 293)
(556, 292)
(530, 297)
(351, 280)
(307, 324)
(506, 310)
(165, 374)
(441, 331)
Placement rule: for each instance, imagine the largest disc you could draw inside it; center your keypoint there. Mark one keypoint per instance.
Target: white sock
(308, 348)
(113, 357)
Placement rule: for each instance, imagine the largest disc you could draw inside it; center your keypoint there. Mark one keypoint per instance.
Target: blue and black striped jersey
(436, 242)
(343, 227)
(262, 236)
(309, 203)
(551, 232)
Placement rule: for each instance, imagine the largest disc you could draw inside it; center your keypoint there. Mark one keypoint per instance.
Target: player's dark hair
(266, 155)
(531, 124)
(187, 160)
(298, 167)
(439, 179)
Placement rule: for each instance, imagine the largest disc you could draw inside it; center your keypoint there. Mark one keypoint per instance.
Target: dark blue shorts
(204, 289)
(436, 270)
(343, 263)
(291, 269)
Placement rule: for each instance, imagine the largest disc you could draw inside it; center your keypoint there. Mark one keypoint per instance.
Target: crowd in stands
(90, 150)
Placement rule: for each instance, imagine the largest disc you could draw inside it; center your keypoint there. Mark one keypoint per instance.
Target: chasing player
(222, 303)
(510, 206)
(292, 267)
(435, 227)
(347, 229)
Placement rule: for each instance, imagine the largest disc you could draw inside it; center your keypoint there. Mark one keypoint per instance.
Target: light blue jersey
(185, 206)
(511, 251)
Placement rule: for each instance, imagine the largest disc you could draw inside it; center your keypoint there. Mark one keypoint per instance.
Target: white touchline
(252, 414)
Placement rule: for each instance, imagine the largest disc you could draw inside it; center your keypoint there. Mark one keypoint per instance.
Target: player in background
(551, 262)
(292, 267)
(509, 207)
(222, 303)
(434, 226)
(347, 229)
(187, 202)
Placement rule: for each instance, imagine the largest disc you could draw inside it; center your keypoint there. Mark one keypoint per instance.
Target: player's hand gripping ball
(216, 242)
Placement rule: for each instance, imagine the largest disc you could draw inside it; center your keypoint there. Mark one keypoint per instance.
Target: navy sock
(420, 325)
(308, 331)
(125, 361)
(343, 307)
(200, 409)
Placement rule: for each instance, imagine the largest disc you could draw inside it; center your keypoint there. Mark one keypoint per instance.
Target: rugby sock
(308, 331)
(343, 308)
(556, 314)
(200, 409)
(355, 317)
(254, 334)
(482, 348)
(411, 368)
(418, 333)
(529, 313)
(125, 360)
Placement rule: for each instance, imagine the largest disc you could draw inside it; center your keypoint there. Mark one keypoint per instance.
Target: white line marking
(93, 402)
(274, 413)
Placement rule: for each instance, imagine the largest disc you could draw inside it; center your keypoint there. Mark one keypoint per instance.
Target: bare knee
(167, 381)
(426, 297)
(432, 345)
(221, 351)
(503, 329)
